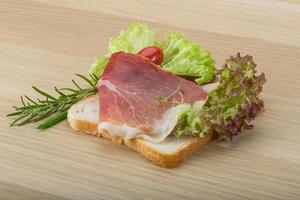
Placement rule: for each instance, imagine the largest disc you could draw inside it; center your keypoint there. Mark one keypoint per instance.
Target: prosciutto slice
(138, 98)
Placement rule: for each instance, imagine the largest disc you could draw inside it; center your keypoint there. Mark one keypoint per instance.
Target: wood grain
(44, 43)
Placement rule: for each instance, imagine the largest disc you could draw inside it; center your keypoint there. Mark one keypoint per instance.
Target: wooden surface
(44, 43)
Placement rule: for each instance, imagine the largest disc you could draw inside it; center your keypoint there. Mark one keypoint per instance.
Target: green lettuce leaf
(231, 106)
(185, 58)
(99, 65)
(181, 56)
(189, 123)
(131, 40)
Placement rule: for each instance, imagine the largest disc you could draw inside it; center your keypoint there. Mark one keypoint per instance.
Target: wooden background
(44, 43)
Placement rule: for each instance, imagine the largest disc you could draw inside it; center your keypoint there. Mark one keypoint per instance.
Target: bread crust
(169, 160)
(84, 126)
(156, 156)
(116, 139)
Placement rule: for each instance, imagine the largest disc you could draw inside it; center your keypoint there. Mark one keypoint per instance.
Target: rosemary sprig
(159, 100)
(53, 109)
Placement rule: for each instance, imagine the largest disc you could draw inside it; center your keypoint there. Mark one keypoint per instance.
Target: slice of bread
(84, 116)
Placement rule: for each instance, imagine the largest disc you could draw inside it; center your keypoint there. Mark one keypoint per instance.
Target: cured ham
(138, 98)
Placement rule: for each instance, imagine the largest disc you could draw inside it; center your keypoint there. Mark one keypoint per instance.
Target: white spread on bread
(89, 110)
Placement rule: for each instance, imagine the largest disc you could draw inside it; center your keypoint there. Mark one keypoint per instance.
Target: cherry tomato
(153, 53)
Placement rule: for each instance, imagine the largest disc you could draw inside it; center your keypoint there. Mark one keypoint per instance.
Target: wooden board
(44, 43)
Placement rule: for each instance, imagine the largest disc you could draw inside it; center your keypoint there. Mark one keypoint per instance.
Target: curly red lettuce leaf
(232, 105)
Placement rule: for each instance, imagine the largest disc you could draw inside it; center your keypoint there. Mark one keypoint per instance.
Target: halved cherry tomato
(153, 53)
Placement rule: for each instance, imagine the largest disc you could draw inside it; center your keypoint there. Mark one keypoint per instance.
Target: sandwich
(164, 99)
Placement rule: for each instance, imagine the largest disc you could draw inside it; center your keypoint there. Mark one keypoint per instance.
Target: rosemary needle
(54, 120)
(52, 109)
(159, 100)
